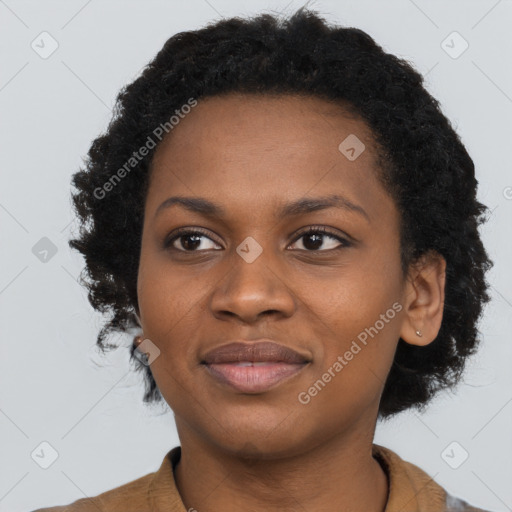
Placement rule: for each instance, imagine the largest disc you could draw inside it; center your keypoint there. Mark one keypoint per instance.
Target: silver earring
(418, 333)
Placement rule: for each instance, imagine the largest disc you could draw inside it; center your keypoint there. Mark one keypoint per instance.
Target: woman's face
(252, 273)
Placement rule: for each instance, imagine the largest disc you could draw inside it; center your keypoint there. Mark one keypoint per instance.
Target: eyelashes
(320, 233)
(181, 233)
(323, 232)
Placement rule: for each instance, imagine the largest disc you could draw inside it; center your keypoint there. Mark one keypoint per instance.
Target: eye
(189, 240)
(314, 237)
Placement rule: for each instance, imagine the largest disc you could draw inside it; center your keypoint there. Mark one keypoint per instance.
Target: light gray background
(53, 386)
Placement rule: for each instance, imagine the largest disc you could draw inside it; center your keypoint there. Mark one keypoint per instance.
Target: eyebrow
(301, 206)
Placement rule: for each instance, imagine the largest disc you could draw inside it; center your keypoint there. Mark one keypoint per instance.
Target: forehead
(264, 121)
(245, 148)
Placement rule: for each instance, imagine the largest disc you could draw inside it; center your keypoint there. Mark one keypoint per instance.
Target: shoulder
(127, 498)
(410, 485)
(454, 504)
(153, 491)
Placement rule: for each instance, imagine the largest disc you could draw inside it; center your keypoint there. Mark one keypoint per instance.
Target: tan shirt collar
(411, 489)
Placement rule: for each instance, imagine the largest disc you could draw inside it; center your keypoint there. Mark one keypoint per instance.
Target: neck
(340, 474)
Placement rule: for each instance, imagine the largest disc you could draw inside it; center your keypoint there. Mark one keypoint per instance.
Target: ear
(423, 299)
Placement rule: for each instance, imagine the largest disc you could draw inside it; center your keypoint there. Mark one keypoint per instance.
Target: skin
(259, 452)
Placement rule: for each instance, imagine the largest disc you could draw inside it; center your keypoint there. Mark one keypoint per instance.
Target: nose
(251, 291)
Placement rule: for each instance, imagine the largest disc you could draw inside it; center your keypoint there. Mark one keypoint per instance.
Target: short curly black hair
(422, 164)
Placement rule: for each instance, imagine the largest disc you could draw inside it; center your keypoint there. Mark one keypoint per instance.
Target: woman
(290, 222)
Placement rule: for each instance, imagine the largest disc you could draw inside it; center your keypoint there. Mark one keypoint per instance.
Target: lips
(260, 351)
(253, 367)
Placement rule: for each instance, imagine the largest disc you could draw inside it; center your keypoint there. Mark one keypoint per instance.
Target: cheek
(353, 299)
(169, 312)
(164, 295)
(349, 375)
(358, 318)
(168, 308)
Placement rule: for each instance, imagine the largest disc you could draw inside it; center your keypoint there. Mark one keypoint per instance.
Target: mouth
(253, 367)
